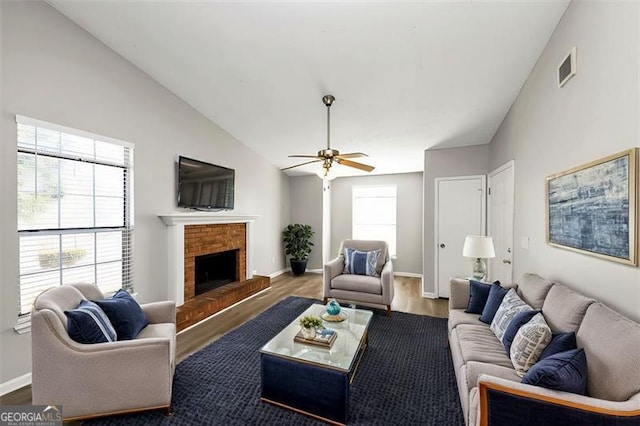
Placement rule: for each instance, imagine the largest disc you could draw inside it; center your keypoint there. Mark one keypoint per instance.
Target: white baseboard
(429, 295)
(15, 384)
(407, 274)
(314, 271)
(278, 273)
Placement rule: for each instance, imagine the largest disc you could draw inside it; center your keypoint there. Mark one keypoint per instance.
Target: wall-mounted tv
(204, 186)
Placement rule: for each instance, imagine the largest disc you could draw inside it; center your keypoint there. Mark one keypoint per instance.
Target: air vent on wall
(567, 68)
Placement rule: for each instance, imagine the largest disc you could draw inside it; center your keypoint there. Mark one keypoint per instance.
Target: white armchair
(377, 290)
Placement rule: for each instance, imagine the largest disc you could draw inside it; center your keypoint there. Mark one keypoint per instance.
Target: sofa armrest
(331, 270)
(386, 277)
(160, 312)
(459, 297)
(508, 402)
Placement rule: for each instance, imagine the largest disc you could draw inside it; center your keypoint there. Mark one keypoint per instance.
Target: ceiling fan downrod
(328, 101)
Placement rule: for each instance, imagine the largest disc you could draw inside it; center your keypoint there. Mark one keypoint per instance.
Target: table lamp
(479, 248)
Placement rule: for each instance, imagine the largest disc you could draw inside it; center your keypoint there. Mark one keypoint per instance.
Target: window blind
(374, 214)
(75, 209)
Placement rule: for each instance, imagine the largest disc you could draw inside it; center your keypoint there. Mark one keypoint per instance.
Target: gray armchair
(360, 288)
(91, 380)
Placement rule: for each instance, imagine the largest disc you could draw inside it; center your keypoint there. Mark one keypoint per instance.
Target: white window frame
(23, 324)
(383, 188)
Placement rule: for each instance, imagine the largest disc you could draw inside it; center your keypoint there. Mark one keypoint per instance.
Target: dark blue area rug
(405, 377)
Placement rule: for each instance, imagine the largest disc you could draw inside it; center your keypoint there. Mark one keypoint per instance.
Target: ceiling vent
(567, 67)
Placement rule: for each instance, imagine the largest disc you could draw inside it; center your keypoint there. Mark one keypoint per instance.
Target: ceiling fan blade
(306, 156)
(352, 155)
(301, 164)
(349, 163)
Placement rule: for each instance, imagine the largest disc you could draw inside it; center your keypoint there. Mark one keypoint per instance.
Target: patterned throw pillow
(529, 343)
(511, 306)
(361, 262)
(88, 324)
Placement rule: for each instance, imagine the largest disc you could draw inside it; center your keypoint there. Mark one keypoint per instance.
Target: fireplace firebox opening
(215, 270)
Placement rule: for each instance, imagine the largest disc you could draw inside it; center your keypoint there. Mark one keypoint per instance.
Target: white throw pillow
(511, 305)
(529, 343)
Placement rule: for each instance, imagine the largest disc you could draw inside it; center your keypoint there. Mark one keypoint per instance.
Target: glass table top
(340, 356)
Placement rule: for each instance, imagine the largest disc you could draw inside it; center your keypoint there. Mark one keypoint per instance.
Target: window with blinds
(374, 214)
(75, 209)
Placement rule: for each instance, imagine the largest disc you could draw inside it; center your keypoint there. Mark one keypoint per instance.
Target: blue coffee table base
(319, 392)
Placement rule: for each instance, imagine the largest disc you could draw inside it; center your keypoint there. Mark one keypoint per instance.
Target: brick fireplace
(201, 234)
(201, 240)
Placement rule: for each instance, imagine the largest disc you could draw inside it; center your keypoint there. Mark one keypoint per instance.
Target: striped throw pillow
(89, 324)
(361, 262)
(529, 343)
(511, 306)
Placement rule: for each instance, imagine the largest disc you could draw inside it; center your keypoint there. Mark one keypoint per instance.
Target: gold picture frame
(592, 208)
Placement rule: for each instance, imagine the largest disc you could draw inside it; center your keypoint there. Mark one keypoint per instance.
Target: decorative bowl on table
(341, 316)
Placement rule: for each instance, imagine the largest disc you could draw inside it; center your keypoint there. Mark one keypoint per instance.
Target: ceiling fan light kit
(328, 156)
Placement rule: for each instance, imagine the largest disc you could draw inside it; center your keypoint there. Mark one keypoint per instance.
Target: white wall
(549, 130)
(472, 160)
(306, 208)
(409, 215)
(54, 71)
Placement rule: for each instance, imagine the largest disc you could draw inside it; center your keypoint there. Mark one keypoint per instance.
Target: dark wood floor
(407, 299)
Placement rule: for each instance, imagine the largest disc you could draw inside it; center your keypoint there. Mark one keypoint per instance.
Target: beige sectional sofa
(482, 365)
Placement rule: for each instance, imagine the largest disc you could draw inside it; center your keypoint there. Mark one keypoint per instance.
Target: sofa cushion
(565, 371)
(478, 295)
(518, 321)
(529, 343)
(124, 313)
(612, 344)
(533, 289)
(560, 342)
(563, 309)
(510, 306)
(458, 316)
(88, 324)
(478, 343)
(496, 294)
(358, 283)
(361, 262)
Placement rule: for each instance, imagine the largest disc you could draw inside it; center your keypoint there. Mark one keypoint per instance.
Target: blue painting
(591, 208)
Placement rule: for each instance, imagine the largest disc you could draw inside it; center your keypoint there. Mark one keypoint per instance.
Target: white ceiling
(406, 76)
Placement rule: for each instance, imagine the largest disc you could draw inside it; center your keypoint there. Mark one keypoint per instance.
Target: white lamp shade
(478, 247)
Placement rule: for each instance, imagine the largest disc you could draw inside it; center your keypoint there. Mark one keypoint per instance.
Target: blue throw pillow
(88, 324)
(125, 314)
(478, 295)
(518, 321)
(564, 371)
(496, 294)
(560, 342)
(361, 262)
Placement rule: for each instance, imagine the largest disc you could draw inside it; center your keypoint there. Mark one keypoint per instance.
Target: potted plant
(309, 324)
(297, 244)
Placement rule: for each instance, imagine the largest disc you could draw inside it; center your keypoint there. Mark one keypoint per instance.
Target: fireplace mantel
(176, 222)
(204, 218)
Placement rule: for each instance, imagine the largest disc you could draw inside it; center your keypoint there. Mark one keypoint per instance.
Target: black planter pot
(298, 266)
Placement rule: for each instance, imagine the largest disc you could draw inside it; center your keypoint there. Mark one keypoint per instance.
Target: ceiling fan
(328, 156)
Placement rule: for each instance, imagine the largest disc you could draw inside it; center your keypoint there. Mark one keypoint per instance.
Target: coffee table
(313, 380)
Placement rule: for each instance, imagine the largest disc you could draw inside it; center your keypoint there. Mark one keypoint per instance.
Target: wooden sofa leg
(168, 412)
(388, 310)
(325, 300)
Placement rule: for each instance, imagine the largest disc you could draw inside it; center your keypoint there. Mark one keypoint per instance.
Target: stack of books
(324, 337)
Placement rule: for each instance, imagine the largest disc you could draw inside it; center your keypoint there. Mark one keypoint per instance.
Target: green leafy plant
(310, 321)
(297, 241)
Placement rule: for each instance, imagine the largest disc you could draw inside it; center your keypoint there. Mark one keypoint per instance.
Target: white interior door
(459, 211)
(500, 222)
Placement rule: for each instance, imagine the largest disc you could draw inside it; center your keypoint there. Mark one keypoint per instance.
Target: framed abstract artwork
(592, 208)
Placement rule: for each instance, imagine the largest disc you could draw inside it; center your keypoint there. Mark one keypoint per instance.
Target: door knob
(442, 245)
(507, 261)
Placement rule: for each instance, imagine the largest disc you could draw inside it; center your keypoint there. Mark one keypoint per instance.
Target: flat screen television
(204, 186)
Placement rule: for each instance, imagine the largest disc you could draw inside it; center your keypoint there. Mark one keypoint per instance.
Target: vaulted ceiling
(406, 76)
